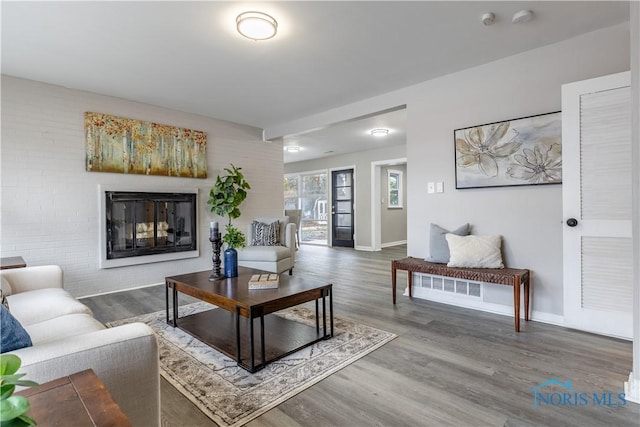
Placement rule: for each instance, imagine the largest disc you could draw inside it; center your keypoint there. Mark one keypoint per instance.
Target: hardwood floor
(448, 366)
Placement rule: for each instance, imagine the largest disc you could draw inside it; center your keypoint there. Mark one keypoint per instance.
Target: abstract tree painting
(121, 145)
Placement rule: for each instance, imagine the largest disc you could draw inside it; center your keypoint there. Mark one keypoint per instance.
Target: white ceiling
(188, 56)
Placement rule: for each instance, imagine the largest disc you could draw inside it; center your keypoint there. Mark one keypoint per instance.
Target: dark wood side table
(12, 262)
(77, 400)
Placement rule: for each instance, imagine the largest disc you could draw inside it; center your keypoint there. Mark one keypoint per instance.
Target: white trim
(398, 243)
(399, 177)
(363, 248)
(103, 262)
(376, 213)
(473, 303)
(632, 389)
(121, 290)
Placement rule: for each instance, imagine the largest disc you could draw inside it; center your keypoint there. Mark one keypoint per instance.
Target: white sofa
(67, 339)
(274, 259)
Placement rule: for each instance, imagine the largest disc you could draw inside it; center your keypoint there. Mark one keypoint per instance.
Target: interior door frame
(376, 207)
(331, 201)
(571, 199)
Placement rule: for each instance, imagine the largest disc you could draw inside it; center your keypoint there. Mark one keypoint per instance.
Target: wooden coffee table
(79, 399)
(228, 330)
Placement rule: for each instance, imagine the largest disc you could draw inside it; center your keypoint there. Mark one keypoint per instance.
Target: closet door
(596, 193)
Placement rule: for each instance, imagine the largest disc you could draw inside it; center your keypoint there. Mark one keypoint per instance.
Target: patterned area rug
(231, 396)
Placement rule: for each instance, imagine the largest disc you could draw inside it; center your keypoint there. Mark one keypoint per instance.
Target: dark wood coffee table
(228, 330)
(79, 399)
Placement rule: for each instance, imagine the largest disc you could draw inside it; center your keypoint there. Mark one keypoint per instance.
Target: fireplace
(141, 227)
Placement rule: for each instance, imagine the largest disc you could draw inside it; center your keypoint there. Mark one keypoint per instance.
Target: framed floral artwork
(524, 151)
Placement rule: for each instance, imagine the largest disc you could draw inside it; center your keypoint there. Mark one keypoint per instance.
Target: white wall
(49, 203)
(362, 163)
(529, 218)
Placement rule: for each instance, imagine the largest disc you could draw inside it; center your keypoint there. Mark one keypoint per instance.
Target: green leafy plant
(225, 197)
(13, 408)
(234, 237)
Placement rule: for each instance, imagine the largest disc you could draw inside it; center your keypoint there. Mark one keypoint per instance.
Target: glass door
(342, 208)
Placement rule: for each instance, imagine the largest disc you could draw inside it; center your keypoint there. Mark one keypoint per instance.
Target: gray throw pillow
(265, 234)
(438, 246)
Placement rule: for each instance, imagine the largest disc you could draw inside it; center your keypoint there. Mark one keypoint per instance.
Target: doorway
(380, 198)
(342, 218)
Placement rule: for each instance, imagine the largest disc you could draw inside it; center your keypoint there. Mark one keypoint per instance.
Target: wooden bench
(502, 276)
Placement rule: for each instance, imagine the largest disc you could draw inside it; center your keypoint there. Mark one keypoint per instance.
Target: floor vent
(448, 285)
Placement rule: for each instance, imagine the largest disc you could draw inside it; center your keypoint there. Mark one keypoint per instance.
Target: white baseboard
(121, 290)
(478, 304)
(363, 248)
(632, 389)
(398, 243)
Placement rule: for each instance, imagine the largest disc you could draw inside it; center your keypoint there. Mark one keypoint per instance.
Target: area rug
(231, 396)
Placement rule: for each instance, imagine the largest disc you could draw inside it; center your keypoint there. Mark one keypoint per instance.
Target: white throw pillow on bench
(475, 251)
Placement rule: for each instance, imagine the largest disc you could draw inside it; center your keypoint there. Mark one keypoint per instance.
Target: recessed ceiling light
(379, 132)
(292, 149)
(256, 25)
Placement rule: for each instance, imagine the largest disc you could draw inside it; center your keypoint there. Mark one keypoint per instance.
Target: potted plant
(225, 197)
(13, 408)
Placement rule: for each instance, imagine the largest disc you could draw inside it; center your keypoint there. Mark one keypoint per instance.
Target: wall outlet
(431, 187)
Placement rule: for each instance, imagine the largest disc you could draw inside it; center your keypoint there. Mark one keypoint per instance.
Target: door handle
(572, 222)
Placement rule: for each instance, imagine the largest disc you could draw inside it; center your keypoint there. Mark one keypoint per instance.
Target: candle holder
(216, 244)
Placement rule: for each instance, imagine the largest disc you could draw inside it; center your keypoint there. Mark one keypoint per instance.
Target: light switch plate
(431, 187)
(439, 187)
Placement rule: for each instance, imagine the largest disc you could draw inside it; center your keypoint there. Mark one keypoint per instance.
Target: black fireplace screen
(149, 223)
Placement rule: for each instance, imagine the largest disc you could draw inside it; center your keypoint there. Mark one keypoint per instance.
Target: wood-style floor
(448, 366)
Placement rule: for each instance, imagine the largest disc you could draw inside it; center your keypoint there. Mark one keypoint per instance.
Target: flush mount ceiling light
(292, 149)
(522, 16)
(379, 132)
(256, 25)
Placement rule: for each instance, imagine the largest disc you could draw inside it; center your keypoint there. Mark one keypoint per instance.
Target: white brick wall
(49, 203)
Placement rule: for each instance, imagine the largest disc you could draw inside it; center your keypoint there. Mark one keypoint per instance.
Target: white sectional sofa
(67, 339)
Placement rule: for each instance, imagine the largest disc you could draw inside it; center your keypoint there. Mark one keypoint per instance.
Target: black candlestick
(216, 244)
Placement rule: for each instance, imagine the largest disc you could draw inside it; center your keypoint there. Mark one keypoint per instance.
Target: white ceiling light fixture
(292, 149)
(380, 132)
(488, 19)
(522, 16)
(256, 25)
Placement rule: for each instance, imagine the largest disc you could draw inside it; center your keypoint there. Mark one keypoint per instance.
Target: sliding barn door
(598, 264)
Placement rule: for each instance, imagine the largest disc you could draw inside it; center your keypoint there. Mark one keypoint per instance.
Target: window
(394, 182)
(308, 192)
(291, 192)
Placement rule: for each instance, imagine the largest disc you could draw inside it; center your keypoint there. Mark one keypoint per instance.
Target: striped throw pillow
(265, 234)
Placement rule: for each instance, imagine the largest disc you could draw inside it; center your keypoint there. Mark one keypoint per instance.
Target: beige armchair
(295, 216)
(274, 259)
